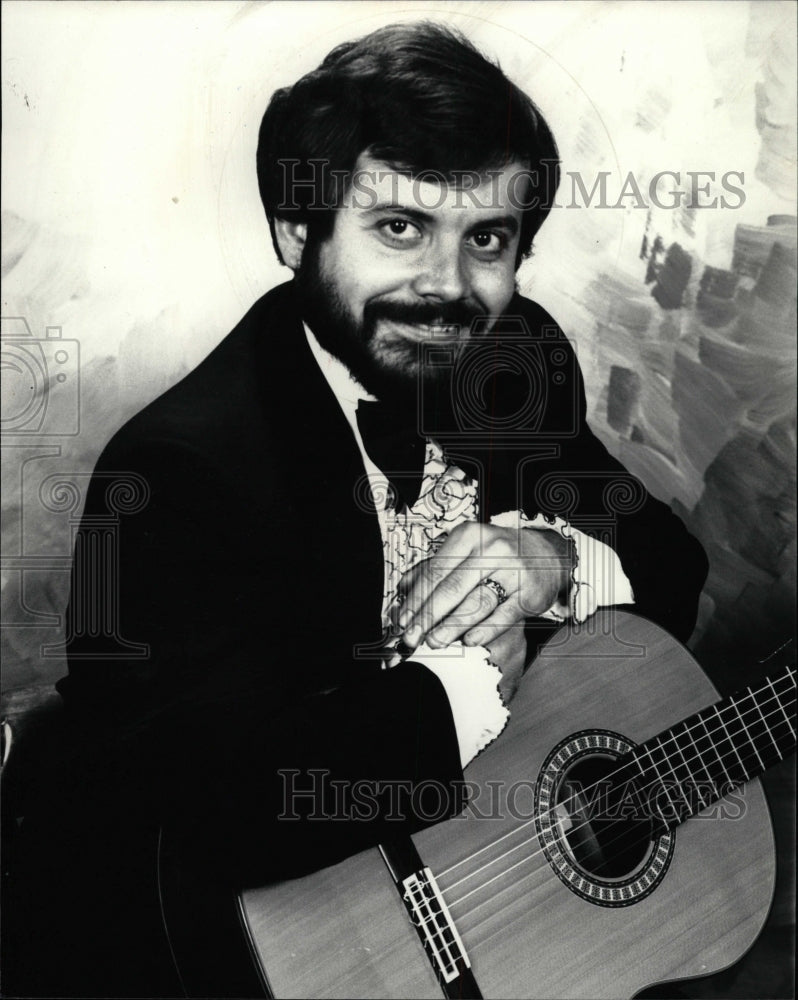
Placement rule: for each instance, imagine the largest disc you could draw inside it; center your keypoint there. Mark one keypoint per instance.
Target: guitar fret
(712, 746)
(695, 782)
(633, 789)
(687, 784)
(683, 770)
(783, 712)
(702, 758)
(748, 734)
(676, 810)
(764, 723)
(772, 708)
(746, 776)
(649, 799)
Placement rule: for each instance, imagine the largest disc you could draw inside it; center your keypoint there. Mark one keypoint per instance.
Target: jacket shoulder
(223, 395)
(539, 321)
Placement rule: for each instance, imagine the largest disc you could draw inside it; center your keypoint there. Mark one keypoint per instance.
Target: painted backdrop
(133, 239)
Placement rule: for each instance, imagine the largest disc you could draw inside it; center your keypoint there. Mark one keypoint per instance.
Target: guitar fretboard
(692, 765)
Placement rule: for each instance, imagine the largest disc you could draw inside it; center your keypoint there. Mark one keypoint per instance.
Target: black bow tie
(395, 446)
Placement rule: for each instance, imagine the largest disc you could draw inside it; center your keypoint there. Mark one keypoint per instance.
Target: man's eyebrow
(508, 222)
(395, 206)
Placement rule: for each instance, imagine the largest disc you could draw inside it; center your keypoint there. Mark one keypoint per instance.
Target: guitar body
(344, 932)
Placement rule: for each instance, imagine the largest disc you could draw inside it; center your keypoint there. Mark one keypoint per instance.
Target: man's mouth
(420, 331)
(441, 329)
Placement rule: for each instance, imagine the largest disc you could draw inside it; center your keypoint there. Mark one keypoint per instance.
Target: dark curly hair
(419, 97)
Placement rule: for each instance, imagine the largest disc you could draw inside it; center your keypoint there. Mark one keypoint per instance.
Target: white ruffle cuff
(471, 683)
(597, 578)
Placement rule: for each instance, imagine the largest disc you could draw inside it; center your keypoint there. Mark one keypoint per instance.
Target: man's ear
(291, 239)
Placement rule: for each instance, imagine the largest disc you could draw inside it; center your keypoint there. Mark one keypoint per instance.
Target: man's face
(409, 261)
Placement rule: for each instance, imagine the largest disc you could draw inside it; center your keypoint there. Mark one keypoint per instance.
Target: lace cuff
(471, 683)
(597, 579)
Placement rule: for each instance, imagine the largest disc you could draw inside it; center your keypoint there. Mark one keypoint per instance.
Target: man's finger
(418, 583)
(477, 606)
(433, 572)
(441, 600)
(505, 616)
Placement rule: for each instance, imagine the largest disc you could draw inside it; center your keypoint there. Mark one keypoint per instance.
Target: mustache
(460, 314)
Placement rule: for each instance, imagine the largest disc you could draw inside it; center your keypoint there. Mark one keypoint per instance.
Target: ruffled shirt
(447, 498)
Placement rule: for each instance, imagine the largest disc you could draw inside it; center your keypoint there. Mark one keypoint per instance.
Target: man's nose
(441, 275)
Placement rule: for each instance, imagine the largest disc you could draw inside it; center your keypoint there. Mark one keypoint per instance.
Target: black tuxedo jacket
(254, 570)
(249, 577)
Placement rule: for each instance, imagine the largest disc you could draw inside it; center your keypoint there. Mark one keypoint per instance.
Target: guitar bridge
(435, 925)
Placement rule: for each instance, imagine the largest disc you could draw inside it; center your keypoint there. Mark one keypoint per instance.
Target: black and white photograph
(399, 499)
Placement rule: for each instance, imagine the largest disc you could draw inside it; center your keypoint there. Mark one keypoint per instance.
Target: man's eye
(488, 241)
(400, 230)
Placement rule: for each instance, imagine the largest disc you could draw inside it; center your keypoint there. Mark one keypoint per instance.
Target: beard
(393, 369)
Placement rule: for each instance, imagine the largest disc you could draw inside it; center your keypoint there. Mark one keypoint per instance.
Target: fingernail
(404, 618)
(413, 636)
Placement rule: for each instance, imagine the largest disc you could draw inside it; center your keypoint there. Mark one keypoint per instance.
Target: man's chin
(396, 373)
(398, 358)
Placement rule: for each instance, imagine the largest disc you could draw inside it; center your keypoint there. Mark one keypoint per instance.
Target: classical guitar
(616, 837)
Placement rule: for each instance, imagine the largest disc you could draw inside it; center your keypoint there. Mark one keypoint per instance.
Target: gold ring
(496, 587)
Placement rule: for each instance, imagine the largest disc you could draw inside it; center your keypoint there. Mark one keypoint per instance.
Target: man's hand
(446, 597)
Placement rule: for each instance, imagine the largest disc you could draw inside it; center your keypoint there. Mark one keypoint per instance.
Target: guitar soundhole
(602, 840)
(593, 835)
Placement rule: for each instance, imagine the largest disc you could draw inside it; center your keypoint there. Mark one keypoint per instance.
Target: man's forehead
(377, 185)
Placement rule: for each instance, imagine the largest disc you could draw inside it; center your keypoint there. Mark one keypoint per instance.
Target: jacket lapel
(318, 488)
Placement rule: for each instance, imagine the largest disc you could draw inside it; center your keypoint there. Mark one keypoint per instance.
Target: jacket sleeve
(226, 727)
(585, 485)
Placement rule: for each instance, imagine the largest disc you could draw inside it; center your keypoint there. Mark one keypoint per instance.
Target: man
(364, 510)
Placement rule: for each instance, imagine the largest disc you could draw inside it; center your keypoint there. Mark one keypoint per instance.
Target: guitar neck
(688, 767)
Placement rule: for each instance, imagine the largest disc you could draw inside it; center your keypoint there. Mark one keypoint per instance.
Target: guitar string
(501, 873)
(787, 677)
(656, 781)
(546, 872)
(438, 931)
(722, 728)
